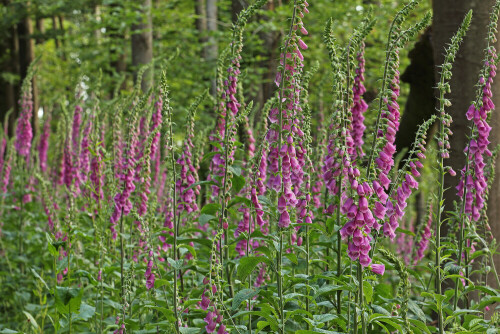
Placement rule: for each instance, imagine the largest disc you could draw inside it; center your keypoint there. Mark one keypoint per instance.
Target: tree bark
(420, 104)
(212, 48)
(9, 94)
(448, 15)
(201, 24)
(142, 44)
(26, 57)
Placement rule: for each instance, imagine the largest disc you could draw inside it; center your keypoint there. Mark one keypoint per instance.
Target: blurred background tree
(77, 39)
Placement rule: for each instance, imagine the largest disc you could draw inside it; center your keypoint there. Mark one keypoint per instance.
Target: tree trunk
(117, 46)
(26, 57)
(212, 48)
(420, 104)
(271, 45)
(201, 24)
(54, 28)
(448, 15)
(142, 44)
(236, 7)
(10, 64)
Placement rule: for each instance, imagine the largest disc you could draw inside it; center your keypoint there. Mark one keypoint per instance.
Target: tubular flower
(123, 204)
(378, 269)
(3, 147)
(155, 153)
(359, 106)
(188, 174)
(425, 238)
(231, 104)
(391, 116)
(397, 203)
(97, 176)
(75, 142)
(151, 150)
(68, 170)
(43, 145)
(405, 242)
(292, 153)
(473, 180)
(7, 167)
(24, 132)
(150, 276)
(84, 159)
(361, 222)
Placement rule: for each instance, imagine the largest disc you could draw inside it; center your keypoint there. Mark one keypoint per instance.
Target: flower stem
(280, 283)
(361, 298)
(438, 227)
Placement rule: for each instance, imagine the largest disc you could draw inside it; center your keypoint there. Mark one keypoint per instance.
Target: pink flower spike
(378, 269)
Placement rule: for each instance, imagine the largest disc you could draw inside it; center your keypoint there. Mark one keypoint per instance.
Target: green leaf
(189, 330)
(420, 325)
(327, 289)
(236, 170)
(238, 183)
(40, 278)
(205, 218)
(31, 320)
(264, 250)
(52, 250)
(407, 232)
(242, 295)
(210, 208)
(247, 265)
(86, 312)
(175, 264)
(330, 225)
(161, 282)
(239, 199)
(292, 257)
(487, 301)
(368, 291)
(417, 310)
(8, 331)
(68, 299)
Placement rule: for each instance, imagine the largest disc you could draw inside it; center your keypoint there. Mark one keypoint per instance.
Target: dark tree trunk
(448, 15)
(236, 7)
(55, 31)
(10, 64)
(142, 44)
(420, 104)
(26, 57)
(212, 48)
(201, 24)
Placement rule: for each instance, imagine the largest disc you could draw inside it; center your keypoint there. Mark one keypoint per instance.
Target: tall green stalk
(445, 119)
(168, 113)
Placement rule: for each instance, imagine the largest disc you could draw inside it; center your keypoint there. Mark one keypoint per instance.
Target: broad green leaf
(210, 208)
(241, 296)
(31, 320)
(247, 265)
(368, 291)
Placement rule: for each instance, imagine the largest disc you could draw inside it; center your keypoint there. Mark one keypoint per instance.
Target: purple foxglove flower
(43, 145)
(24, 132)
(378, 269)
